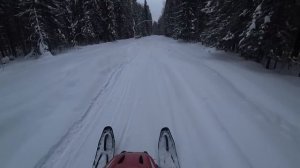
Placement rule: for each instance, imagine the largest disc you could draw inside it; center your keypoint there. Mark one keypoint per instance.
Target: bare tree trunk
(268, 63)
(296, 46)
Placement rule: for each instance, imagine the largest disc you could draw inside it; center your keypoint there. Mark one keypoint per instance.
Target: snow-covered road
(224, 112)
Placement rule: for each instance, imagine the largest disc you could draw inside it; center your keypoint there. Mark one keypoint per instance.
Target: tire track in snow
(210, 120)
(272, 118)
(118, 114)
(59, 148)
(254, 123)
(174, 91)
(120, 92)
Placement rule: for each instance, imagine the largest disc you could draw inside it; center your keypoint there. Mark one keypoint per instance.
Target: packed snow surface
(223, 111)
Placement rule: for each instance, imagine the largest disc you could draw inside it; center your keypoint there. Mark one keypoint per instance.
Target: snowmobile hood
(132, 160)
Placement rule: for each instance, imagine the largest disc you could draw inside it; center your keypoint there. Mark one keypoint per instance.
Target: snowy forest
(266, 31)
(37, 27)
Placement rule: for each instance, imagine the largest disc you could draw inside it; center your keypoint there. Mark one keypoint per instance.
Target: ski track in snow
(223, 111)
(77, 129)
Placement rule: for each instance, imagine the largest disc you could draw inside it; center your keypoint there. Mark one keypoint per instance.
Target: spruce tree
(124, 18)
(13, 30)
(186, 20)
(138, 17)
(108, 19)
(147, 19)
(73, 21)
(169, 18)
(37, 13)
(88, 28)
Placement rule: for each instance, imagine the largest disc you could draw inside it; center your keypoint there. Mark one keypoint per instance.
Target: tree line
(267, 31)
(37, 27)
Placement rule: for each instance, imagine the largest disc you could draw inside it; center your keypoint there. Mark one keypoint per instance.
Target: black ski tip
(167, 144)
(107, 131)
(105, 148)
(108, 128)
(165, 129)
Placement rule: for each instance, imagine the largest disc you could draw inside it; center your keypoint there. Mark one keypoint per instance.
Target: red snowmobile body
(132, 160)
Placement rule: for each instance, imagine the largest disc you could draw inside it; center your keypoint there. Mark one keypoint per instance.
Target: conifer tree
(73, 15)
(147, 19)
(108, 19)
(138, 17)
(186, 20)
(37, 13)
(124, 18)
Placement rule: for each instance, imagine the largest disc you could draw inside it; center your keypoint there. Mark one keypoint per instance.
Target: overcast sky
(156, 7)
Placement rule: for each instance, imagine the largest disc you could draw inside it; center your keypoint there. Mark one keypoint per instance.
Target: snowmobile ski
(167, 155)
(106, 148)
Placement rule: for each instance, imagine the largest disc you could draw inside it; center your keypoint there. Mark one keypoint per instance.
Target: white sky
(156, 7)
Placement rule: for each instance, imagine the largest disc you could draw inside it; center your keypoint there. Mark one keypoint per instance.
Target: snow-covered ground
(224, 112)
